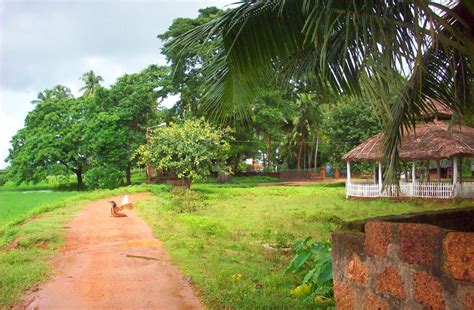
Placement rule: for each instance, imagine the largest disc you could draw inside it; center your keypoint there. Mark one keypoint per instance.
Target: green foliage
(91, 81)
(348, 123)
(189, 150)
(186, 62)
(315, 261)
(2, 177)
(50, 141)
(104, 177)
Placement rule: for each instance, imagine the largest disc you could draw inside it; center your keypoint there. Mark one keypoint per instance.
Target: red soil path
(113, 263)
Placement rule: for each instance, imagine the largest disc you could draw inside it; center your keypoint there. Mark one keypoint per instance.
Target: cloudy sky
(45, 43)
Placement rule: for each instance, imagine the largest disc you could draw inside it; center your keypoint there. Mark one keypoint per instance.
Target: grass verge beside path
(234, 246)
(26, 246)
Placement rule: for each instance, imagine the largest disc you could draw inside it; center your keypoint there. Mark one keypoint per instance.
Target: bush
(104, 177)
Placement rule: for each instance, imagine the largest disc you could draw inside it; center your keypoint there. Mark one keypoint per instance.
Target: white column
(348, 172)
(348, 183)
(380, 177)
(413, 178)
(455, 175)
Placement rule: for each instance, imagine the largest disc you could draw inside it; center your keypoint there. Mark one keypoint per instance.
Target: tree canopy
(190, 150)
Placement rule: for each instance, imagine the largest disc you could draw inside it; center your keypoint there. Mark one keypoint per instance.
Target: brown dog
(114, 210)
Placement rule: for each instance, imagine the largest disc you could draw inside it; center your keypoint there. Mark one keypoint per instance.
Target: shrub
(104, 177)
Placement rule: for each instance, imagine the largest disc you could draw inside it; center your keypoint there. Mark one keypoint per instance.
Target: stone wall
(403, 266)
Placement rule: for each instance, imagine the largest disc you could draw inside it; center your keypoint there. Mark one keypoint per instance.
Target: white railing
(362, 190)
(439, 190)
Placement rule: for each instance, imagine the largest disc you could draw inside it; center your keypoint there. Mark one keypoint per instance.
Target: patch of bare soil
(112, 263)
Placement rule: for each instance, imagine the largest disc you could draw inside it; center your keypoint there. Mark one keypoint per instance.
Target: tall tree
(348, 123)
(91, 81)
(119, 116)
(186, 64)
(52, 138)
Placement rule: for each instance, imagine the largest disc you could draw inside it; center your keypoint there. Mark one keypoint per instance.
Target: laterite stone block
(417, 242)
(468, 301)
(343, 296)
(356, 271)
(428, 290)
(378, 236)
(390, 282)
(374, 302)
(459, 255)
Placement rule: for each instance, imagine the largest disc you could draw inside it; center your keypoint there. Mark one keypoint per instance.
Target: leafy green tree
(186, 62)
(52, 137)
(188, 150)
(270, 113)
(348, 123)
(91, 81)
(117, 118)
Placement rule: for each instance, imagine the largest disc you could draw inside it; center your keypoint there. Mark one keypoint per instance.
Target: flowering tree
(189, 150)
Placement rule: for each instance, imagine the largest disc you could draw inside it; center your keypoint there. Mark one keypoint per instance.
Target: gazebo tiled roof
(429, 141)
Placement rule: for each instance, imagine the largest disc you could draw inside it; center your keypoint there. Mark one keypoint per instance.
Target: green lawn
(14, 204)
(223, 246)
(233, 246)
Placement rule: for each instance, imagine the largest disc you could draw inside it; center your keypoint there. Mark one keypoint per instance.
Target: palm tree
(306, 123)
(57, 92)
(91, 81)
(355, 47)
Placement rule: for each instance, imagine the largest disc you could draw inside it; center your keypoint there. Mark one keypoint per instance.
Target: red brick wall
(403, 266)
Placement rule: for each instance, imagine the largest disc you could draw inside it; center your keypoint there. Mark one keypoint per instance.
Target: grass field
(224, 245)
(15, 203)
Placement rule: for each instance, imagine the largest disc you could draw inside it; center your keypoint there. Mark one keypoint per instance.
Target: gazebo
(433, 141)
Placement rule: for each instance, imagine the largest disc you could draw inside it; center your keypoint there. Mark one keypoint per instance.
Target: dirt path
(113, 263)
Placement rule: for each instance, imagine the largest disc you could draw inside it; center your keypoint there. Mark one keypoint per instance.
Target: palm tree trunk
(316, 153)
(298, 158)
